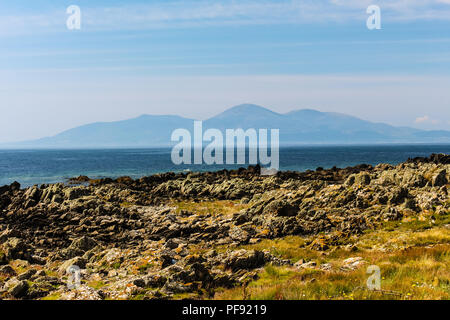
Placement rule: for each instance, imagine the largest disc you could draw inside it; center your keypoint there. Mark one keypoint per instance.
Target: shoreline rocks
(153, 237)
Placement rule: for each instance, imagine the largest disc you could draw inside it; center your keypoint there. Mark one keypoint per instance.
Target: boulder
(281, 208)
(78, 261)
(440, 179)
(79, 246)
(244, 259)
(352, 263)
(16, 248)
(16, 288)
(7, 270)
(26, 275)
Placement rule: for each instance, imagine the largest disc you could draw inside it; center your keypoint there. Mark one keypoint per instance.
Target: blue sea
(30, 167)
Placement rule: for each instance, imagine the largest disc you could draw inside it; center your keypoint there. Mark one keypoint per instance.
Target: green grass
(414, 263)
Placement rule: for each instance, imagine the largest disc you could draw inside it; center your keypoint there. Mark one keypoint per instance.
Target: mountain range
(299, 127)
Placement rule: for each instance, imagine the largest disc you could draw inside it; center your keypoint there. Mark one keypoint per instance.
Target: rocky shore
(171, 236)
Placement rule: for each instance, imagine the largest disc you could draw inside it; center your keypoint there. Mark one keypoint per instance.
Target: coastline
(54, 166)
(205, 235)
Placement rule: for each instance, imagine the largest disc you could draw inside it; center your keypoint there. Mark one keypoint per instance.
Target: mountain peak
(304, 126)
(246, 110)
(305, 111)
(248, 107)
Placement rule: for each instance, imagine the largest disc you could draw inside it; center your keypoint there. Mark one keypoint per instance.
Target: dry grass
(217, 207)
(414, 264)
(419, 273)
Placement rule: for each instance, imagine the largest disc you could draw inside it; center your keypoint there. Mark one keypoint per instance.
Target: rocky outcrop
(129, 238)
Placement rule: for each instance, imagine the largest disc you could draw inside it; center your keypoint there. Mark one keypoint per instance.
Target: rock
(199, 272)
(15, 186)
(77, 261)
(57, 198)
(3, 258)
(362, 179)
(16, 288)
(128, 237)
(352, 263)
(172, 244)
(79, 246)
(241, 218)
(7, 270)
(326, 267)
(8, 233)
(16, 248)
(299, 262)
(75, 193)
(82, 293)
(224, 280)
(350, 180)
(254, 240)
(392, 214)
(307, 265)
(32, 194)
(281, 208)
(154, 281)
(351, 248)
(243, 259)
(175, 287)
(410, 204)
(40, 273)
(398, 195)
(245, 200)
(39, 290)
(26, 275)
(167, 260)
(38, 260)
(139, 282)
(440, 179)
(238, 234)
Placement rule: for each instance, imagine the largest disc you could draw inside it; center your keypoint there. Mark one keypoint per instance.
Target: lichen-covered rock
(16, 288)
(183, 233)
(440, 179)
(244, 259)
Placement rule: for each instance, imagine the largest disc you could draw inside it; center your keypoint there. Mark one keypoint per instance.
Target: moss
(126, 204)
(96, 284)
(145, 267)
(53, 296)
(215, 207)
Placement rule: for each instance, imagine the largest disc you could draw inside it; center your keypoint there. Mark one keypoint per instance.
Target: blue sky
(197, 58)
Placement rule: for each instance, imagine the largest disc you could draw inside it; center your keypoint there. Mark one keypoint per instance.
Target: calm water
(31, 167)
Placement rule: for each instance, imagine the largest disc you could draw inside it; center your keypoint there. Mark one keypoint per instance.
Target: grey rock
(16, 288)
(440, 179)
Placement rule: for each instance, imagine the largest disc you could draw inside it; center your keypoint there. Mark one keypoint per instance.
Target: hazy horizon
(198, 58)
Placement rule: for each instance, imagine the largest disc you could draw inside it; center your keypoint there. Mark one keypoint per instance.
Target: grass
(54, 296)
(222, 207)
(420, 273)
(144, 268)
(413, 256)
(126, 204)
(96, 284)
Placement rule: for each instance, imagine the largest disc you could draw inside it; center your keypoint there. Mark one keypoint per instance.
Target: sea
(36, 167)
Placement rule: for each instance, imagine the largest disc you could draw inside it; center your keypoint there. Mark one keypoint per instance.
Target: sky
(198, 58)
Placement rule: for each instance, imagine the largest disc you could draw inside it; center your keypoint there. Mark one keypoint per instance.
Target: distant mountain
(143, 131)
(297, 127)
